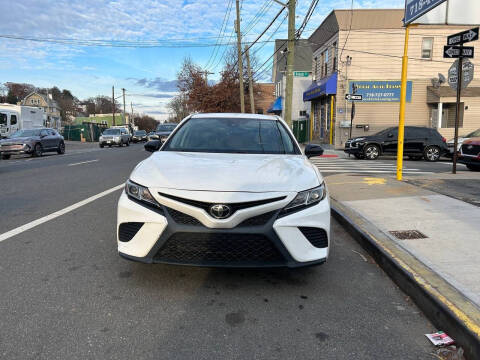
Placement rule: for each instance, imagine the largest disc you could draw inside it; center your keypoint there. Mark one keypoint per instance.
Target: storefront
(322, 96)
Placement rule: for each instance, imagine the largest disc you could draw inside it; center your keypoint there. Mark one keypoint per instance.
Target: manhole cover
(408, 234)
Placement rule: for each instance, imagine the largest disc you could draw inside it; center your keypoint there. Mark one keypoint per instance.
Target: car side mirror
(390, 135)
(152, 145)
(312, 150)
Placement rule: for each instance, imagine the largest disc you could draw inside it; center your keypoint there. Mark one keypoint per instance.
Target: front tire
(37, 150)
(473, 167)
(61, 148)
(371, 152)
(101, 145)
(128, 143)
(6, 156)
(431, 153)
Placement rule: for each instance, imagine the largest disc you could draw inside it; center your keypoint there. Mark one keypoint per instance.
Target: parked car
(34, 142)
(164, 130)
(152, 136)
(139, 135)
(115, 136)
(470, 154)
(226, 190)
(461, 139)
(419, 142)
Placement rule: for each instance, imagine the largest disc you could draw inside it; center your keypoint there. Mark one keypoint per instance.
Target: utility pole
(206, 73)
(240, 62)
(113, 105)
(124, 113)
(131, 113)
(290, 62)
(250, 81)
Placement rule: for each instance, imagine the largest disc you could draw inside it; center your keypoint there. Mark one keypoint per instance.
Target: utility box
(300, 130)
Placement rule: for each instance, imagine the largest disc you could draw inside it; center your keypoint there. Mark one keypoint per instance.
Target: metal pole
(250, 81)
(124, 113)
(290, 62)
(240, 57)
(403, 99)
(331, 119)
(312, 118)
(352, 115)
(113, 105)
(457, 110)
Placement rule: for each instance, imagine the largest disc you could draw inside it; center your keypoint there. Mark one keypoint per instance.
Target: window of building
(303, 113)
(334, 63)
(427, 48)
(260, 111)
(321, 65)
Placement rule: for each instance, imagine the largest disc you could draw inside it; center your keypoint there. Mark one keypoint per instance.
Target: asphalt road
(65, 293)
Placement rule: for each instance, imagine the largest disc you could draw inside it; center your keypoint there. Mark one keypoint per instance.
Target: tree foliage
(145, 122)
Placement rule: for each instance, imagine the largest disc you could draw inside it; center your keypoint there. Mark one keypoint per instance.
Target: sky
(152, 38)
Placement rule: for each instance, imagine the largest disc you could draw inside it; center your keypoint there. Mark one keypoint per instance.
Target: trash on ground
(440, 339)
(449, 353)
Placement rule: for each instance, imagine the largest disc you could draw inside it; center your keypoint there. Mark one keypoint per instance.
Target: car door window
(43, 133)
(13, 120)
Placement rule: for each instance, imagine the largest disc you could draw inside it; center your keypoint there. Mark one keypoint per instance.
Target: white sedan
(229, 190)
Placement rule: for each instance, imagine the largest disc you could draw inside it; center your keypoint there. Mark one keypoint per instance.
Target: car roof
(235, 115)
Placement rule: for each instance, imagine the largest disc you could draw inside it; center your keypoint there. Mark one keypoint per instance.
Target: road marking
(83, 162)
(56, 214)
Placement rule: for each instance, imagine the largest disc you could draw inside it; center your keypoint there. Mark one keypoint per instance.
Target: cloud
(157, 83)
(158, 96)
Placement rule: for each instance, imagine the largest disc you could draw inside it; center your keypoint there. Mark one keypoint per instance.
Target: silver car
(461, 139)
(118, 136)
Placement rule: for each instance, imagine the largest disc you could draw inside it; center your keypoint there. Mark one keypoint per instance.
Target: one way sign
(463, 37)
(457, 51)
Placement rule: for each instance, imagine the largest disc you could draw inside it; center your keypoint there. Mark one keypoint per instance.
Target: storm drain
(408, 234)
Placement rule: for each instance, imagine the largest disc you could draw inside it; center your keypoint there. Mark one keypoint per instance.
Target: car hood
(17, 140)
(226, 172)
(163, 133)
(472, 141)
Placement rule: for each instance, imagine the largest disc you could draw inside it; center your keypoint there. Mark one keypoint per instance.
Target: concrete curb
(444, 306)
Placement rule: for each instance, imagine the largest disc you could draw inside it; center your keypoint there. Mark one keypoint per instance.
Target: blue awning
(276, 106)
(326, 86)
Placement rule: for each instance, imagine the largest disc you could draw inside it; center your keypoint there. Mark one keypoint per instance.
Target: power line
(226, 17)
(349, 29)
(308, 15)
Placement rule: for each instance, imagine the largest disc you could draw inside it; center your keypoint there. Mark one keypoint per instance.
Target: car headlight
(140, 193)
(305, 199)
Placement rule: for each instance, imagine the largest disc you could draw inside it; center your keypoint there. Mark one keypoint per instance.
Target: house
(364, 48)
(302, 77)
(50, 108)
(264, 96)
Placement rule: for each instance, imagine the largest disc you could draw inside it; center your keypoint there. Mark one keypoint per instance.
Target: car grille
(317, 237)
(235, 206)
(258, 220)
(471, 149)
(126, 231)
(182, 218)
(219, 249)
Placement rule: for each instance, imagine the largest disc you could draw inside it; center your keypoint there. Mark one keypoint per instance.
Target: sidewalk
(439, 267)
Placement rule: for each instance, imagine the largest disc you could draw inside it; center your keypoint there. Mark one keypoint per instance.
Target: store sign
(380, 91)
(301, 73)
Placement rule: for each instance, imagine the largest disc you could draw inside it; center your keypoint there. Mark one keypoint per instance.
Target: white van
(17, 117)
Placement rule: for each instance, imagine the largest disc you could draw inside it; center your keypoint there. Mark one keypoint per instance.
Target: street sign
(301, 73)
(467, 74)
(416, 8)
(463, 37)
(457, 51)
(352, 97)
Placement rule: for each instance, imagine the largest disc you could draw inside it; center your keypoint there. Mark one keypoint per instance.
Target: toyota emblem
(469, 147)
(220, 211)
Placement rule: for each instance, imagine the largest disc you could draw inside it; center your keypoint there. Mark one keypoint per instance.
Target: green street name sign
(301, 73)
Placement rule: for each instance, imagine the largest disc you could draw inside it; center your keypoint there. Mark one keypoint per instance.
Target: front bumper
(166, 235)
(469, 160)
(110, 141)
(15, 149)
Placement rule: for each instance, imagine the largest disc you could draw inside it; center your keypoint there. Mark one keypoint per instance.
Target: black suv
(419, 142)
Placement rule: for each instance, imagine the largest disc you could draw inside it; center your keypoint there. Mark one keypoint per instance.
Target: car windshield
(112, 132)
(25, 133)
(475, 133)
(166, 127)
(232, 135)
(140, 132)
